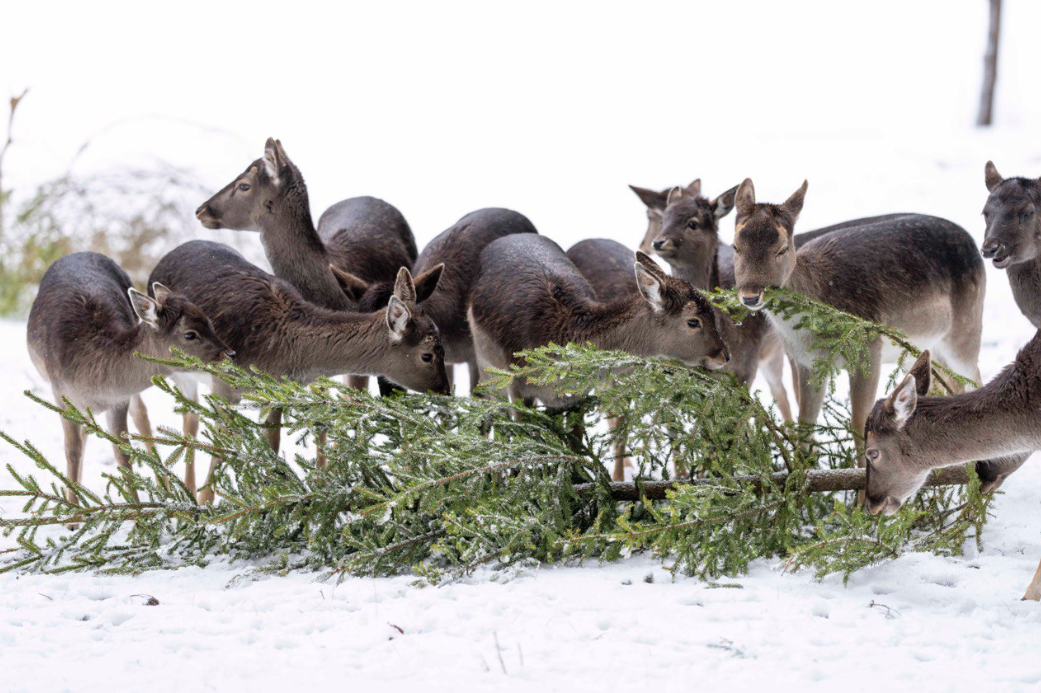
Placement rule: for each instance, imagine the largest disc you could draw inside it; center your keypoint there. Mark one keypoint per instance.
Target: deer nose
(200, 211)
(229, 354)
(726, 355)
(752, 300)
(990, 249)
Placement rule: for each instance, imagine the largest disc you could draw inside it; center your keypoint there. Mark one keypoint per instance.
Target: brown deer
(608, 267)
(85, 326)
(459, 249)
(919, 274)
(1013, 237)
(271, 327)
(365, 238)
(529, 294)
(908, 433)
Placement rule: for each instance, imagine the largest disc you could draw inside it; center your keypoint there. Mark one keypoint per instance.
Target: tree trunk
(990, 66)
(817, 481)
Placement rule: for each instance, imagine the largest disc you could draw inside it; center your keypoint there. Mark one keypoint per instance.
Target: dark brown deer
(908, 433)
(271, 327)
(459, 249)
(85, 326)
(1013, 237)
(919, 274)
(608, 267)
(529, 294)
(365, 238)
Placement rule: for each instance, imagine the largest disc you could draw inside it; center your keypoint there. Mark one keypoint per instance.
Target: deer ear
(674, 196)
(426, 282)
(272, 160)
(794, 203)
(404, 287)
(744, 199)
(653, 200)
(923, 374)
(991, 176)
(722, 205)
(651, 281)
(398, 315)
(903, 401)
(161, 293)
(353, 286)
(145, 307)
(694, 189)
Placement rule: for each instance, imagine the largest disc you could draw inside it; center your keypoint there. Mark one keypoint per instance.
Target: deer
(529, 294)
(358, 241)
(85, 326)
(686, 236)
(908, 433)
(458, 249)
(270, 326)
(1013, 236)
(919, 274)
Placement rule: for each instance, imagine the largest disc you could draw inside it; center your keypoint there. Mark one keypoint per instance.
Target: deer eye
(191, 335)
(782, 251)
(694, 323)
(872, 454)
(244, 187)
(692, 224)
(427, 357)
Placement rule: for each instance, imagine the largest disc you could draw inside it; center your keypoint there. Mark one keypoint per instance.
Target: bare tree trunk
(15, 100)
(990, 66)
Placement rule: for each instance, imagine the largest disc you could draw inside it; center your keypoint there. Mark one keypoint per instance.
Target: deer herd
(354, 297)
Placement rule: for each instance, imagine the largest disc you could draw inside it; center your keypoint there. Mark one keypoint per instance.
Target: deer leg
(75, 437)
(863, 390)
(118, 428)
(321, 440)
(273, 428)
(191, 430)
(358, 382)
(475, 373)
(1033, 592)
(811, 401)
(773, 371)
(221, 389)
(795, 380)
(618, 448)
(139, 413)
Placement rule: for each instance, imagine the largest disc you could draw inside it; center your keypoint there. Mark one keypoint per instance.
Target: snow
(876, 118)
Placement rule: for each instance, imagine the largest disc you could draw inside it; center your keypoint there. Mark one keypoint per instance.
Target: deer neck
(623, 325)
(331, 342)
(702, 273)
(1025, 280)
(298, 255)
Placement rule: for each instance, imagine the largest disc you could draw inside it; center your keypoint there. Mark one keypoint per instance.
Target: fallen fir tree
(437, 486)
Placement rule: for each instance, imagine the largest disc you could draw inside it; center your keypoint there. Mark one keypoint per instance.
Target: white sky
(547, 107)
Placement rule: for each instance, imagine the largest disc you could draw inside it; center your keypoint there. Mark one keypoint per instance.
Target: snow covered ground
(550, 111)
